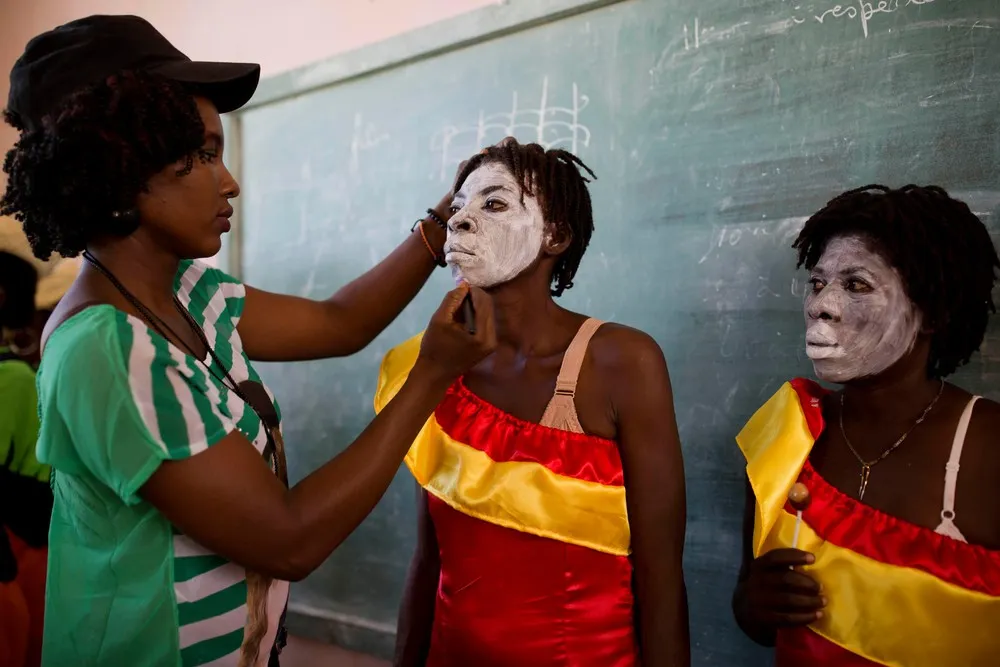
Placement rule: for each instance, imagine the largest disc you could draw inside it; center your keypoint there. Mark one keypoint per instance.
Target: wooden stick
(469, 315)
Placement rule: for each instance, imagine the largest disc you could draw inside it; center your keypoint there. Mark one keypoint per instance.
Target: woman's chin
(832, 372)
(204, 248)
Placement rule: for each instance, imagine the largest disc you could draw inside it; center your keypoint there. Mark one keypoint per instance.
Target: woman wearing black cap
(173, 532)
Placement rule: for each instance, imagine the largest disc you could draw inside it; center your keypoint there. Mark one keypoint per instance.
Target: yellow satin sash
(889, 614)
(524, 496)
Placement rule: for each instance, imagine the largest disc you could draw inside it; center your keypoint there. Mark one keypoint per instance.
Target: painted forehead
(493, 174)
(850, 252)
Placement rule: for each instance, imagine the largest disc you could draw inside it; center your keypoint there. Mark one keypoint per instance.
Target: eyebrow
(856, 269)
(488, 190)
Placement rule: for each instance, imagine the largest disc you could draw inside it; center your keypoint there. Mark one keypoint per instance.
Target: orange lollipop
(799, 498)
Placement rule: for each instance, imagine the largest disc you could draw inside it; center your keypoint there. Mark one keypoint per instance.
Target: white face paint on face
(859, 320)
(493, 237)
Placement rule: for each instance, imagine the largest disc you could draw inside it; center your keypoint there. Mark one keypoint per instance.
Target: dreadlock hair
(93, 155)
(943, 253)
(18, 282)
(553, 177)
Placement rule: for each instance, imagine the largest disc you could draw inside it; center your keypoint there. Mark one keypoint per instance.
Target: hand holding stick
(799, 498)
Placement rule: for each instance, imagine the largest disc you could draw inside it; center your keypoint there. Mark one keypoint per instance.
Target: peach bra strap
(561, 410)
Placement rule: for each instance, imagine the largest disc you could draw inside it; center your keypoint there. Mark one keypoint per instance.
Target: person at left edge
(28, 288)
(171, 541)
(25, 497)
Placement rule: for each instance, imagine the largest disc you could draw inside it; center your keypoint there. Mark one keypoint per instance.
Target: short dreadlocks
(553, 176)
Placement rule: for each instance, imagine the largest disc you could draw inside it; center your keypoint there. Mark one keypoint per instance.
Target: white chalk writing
(365, 138)
(777, 232)
(862, 10)
(697, 37)
(546, 124)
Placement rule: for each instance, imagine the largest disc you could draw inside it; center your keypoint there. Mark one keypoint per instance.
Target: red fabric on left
(14, 623)
(31, 567)
(510, 598)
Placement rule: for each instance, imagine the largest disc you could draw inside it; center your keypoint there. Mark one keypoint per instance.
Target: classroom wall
(279, 34)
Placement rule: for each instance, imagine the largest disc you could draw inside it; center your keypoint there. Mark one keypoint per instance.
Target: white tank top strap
(560, 413)
(947, 525)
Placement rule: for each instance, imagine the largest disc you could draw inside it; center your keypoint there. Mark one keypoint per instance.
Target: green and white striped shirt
(116, 400)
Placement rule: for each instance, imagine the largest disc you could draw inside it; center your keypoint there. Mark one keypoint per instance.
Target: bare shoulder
(978, 492)
(631, 366)
(985, 426)
(634, 377)
(617, 348)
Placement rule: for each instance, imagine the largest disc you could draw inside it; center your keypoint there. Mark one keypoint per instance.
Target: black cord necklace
(162, 327)
(274, 438)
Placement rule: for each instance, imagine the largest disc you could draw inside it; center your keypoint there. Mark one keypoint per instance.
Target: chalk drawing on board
(547, 124)
(780, 233)
(699, 35)
(690, 40)
(864, 11)
(365, 138)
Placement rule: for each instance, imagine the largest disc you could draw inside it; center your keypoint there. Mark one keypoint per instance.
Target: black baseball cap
(84, 52)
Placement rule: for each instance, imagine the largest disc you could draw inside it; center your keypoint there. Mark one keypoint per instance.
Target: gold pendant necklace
(866, 466)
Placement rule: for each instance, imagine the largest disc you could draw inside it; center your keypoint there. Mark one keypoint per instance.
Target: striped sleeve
(213, 297)
(145, 402)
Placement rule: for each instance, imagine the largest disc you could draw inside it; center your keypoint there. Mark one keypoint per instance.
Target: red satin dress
(899, 594)
(532, 533)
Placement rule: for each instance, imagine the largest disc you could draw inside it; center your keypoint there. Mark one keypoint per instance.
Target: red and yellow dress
(532, 530)
(899, 594)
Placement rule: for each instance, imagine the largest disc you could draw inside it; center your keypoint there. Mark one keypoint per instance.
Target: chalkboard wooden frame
(498, 20)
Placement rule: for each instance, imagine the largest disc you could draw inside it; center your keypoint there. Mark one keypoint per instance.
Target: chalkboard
(715, 129)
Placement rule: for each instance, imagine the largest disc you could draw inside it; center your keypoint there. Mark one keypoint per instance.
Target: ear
(556, 238)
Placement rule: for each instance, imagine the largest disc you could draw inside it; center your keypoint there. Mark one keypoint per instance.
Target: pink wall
(279, 34)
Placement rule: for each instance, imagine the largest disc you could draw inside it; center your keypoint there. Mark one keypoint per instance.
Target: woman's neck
(146, 270)
(900, 396)
(523, 319)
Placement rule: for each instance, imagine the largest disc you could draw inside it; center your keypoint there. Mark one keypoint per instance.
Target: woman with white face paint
(552, 503)
(895, 559)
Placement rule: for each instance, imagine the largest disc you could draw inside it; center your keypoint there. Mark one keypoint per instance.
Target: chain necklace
(866, 466)
(275, 441)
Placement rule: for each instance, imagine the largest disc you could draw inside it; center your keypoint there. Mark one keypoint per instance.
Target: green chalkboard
(715, 128)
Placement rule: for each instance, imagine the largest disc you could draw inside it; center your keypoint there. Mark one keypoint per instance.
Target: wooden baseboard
(349, 632)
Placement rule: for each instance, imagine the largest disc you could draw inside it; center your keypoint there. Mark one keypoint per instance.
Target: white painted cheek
(505, 247)
(890, 337)
(515, 250)
(873, 335)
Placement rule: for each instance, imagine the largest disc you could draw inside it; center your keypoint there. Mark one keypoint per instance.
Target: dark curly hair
(93, 155)
(554, 177)
(940, 248)
(18, 283)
